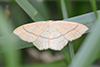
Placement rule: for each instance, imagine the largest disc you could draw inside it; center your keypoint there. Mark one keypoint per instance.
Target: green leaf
(64, 10)
(30, 10)
(89, 49)
(70, 45)
(93, 4)
(71, 50)
(41, 7)
(18, 16)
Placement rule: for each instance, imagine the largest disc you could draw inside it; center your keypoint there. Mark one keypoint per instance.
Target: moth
(50, 34)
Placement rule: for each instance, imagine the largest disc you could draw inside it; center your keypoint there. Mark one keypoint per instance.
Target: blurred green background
(14, 13)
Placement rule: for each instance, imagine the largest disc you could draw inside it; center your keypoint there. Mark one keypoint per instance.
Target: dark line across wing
(29, 32)
(54, 37)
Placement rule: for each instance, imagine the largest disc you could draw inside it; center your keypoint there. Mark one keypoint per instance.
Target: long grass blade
(18, 19)
(93, 4)
(30, 10)
(64, 10)
(89, 48)
(65, 16)
(71, 50)
(41, 7)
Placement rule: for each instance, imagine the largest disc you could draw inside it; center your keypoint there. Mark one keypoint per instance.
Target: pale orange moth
(50, 34)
